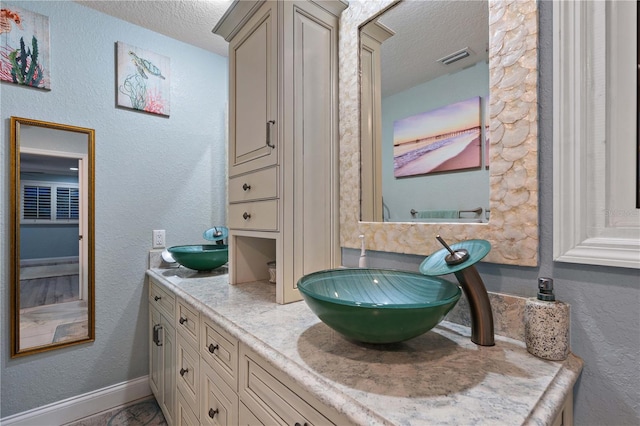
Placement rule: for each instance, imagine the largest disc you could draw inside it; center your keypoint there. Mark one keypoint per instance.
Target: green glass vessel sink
(378, 305)
(201, 257)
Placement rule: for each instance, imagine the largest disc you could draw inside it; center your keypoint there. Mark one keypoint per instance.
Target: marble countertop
(440, 377)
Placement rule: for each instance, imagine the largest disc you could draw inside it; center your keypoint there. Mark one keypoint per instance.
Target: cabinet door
(312, 137)
(168, 391)
(253, 126)
(155, 352)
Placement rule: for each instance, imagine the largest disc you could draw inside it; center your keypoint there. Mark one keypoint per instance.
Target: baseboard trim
(49, 261)
(80, 406)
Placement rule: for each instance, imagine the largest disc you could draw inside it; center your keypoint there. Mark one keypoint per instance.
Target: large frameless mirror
(52, 236)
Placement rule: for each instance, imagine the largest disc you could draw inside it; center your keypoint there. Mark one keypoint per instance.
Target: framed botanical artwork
(143, 80)
(446, 139)
(24, 47)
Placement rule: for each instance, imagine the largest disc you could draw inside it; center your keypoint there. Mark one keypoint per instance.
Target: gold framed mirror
(51, 236)
(512, 227)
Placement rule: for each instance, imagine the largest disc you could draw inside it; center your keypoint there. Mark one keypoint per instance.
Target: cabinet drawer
(187, 322)
(219, 402)
(246, 417)
(185, 415)
(220, 351)
(258, 215)
(254, 186)
(188, 372)
(276, 400)
(161, 299)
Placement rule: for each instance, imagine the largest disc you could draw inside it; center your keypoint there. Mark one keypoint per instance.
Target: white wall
(151, 173)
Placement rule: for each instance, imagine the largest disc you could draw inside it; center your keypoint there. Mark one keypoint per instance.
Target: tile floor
(38, 324)
(138, 413)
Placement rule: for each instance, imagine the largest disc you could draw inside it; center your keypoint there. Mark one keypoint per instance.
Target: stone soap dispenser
(546, 324)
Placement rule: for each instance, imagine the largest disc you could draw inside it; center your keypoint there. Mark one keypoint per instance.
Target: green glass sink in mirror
(378, 305)
(201, 257)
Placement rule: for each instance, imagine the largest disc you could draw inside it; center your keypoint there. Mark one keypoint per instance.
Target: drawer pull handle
(157, 298)
(246, 216)
(183, 320)
(304, 424)
(212, 348)
(212, 412)
(269, 124)
(183, 371)
(246, 187)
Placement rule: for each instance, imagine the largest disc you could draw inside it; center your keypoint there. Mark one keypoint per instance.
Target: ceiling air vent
(456, 56)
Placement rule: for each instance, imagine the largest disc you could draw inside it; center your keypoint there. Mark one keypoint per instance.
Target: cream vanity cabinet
(200, 374)
(268, 397)
(192, 365)
(162, 349)
(283, 139)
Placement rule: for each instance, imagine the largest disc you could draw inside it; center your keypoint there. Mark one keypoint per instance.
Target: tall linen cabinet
(283, 140)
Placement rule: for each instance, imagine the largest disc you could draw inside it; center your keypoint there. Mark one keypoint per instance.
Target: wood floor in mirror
(50, 309)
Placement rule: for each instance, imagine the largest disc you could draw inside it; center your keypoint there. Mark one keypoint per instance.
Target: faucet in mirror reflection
(362, 262)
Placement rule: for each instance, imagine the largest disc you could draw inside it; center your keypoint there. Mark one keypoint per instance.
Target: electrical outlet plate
(158, 238)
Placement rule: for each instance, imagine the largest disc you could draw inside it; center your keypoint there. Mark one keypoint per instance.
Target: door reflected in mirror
(52, 278)
(425, 124)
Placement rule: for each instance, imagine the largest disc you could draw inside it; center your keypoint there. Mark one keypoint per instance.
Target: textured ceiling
(425, 32)
(190, 21)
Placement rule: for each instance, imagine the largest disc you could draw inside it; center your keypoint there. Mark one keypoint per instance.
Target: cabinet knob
(246, 216)
(157, 298)
(212, 412)
(183, 320)
(212, 348)
(246, 187)
(183, 371)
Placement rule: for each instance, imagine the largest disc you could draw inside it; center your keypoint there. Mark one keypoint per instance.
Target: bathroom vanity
(234, 356)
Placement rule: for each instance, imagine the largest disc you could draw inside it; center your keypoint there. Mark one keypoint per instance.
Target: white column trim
(584, 99)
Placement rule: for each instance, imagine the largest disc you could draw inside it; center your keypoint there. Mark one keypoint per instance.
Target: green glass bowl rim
(210, 248)
(370, 305)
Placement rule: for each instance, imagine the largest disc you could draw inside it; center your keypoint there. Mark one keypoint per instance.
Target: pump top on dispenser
(545, 290)
(546, 324)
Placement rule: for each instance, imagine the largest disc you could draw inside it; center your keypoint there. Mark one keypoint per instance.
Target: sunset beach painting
(442, 140)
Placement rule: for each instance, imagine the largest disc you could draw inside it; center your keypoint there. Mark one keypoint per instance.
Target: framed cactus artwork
(143, 80)
(24, 47)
